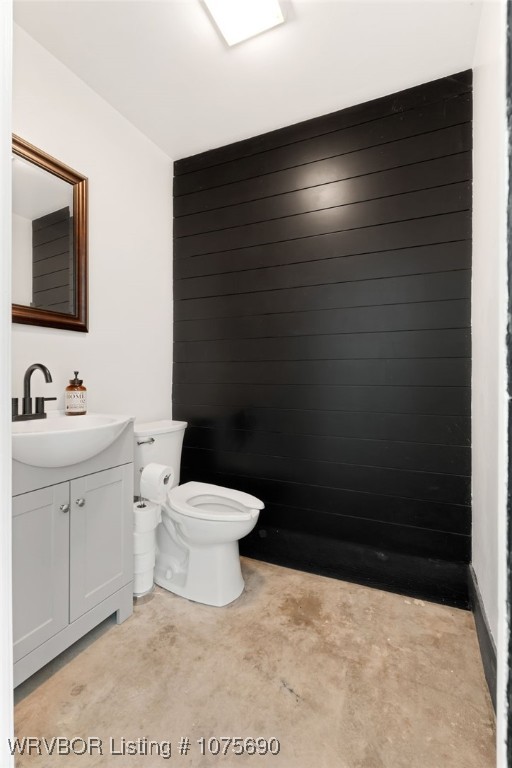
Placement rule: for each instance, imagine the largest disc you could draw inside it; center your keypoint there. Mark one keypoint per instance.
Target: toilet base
(212, 574)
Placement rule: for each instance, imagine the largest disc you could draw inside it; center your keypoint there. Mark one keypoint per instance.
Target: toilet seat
(213, 502)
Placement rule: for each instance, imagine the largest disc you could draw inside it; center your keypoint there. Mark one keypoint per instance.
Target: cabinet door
(101, 537)
(40, 557)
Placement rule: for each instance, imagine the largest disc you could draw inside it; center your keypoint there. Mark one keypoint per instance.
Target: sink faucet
(27, 398)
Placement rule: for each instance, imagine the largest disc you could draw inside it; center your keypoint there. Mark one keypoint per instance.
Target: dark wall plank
(375, 453)
(411, 178)
(63, 306)
(421, 260)
(54, 280)
(45, 235)
(367, 134)
(434, 372)
(306, 499)
(412, 541)
(344, 346)
(370, 399)
(332, 295)
(430, 578)
(389, 317)
(52, 252)
(429, 486)
(322, 346)
(413, 205)
(58, 247)
(51, 296)
(426, 93)
(413, 428)
(413, 150)
(446, 230)
(53, 264)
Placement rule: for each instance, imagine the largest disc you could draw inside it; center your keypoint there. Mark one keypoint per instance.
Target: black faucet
(27, 398)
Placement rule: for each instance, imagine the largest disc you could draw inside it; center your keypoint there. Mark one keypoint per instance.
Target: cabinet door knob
(80, 502)
(64, 507)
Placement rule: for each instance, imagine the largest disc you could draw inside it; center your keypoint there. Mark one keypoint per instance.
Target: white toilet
(197, 541)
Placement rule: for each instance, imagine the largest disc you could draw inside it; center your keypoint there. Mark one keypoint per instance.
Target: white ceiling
(164, 67)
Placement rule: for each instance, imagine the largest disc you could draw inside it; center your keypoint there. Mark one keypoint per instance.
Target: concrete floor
(342, 675)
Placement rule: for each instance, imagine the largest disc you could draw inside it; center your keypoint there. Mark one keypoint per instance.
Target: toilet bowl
(197, 541)
(197, 553)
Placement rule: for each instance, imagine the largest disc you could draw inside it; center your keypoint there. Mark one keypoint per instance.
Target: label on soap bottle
(76, 401)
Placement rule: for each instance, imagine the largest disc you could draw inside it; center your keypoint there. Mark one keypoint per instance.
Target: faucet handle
(14, 408)
(40, 401)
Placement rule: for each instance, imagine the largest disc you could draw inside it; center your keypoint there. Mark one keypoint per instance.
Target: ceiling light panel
(238, 20)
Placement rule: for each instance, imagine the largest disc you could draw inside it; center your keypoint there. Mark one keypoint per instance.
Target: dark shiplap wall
(52, 262)
(322, 336)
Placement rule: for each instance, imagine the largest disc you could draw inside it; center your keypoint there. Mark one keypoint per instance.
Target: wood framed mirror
(49, 241)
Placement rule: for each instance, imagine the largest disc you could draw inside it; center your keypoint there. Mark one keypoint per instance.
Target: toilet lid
(213, 502)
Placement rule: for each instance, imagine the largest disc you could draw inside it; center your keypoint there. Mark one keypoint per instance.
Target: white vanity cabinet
(100, 537)
(40, 572)
(72, 552)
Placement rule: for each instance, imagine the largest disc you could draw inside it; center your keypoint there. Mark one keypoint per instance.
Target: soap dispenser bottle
(76, 397)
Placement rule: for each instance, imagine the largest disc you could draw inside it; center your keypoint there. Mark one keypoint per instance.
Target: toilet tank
(160, 442)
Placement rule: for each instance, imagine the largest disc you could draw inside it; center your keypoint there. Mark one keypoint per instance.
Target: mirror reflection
(43, 271)
(49, 240)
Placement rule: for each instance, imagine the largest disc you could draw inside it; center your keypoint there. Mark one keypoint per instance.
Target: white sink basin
(61, 440)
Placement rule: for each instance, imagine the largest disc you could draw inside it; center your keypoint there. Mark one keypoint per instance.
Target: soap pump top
(76, 382)
(76, 393)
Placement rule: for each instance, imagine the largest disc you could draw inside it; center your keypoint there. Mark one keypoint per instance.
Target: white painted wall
(125, 359)
(489, 309)
(21, 259)
(6, 697)
(489, 297)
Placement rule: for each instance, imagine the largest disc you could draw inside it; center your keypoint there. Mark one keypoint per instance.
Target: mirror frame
(45, 317)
